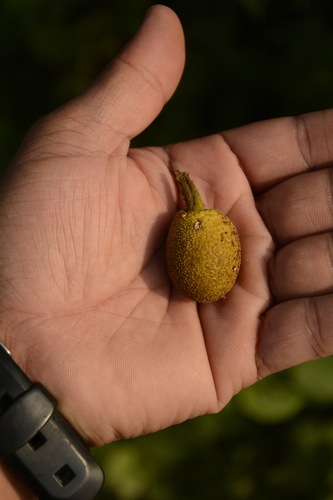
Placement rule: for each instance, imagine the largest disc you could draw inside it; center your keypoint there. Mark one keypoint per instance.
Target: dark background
(247, 60)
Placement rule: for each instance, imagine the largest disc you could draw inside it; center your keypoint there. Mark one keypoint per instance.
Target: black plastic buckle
(39, 443)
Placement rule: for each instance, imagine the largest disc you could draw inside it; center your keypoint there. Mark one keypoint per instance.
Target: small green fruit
(203, 248)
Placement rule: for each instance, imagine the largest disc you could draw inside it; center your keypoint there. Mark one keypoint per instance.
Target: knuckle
(303, 141)
(315, 331)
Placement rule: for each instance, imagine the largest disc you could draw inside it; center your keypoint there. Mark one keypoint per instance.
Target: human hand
(86, 306)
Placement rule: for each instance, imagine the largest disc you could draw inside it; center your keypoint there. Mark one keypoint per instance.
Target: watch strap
(39, 443)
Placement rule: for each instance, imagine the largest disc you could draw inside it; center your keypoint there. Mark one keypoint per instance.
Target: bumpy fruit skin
(203, 254)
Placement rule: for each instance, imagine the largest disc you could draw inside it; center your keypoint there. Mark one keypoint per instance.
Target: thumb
(133, 89)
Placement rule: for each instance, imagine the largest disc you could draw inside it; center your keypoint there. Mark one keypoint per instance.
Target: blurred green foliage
(247, 60)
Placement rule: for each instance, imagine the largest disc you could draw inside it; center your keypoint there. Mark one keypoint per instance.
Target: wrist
(38, 442)
(11, 486)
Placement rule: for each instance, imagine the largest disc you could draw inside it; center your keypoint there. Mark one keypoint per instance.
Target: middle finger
(290, 274)
(298, 207)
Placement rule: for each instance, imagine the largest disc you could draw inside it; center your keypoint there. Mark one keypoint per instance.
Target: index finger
(274, 150)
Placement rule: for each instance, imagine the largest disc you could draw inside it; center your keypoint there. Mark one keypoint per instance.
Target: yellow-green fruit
(203, 248)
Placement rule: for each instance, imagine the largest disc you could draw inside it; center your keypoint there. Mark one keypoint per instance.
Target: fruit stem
(191, 194)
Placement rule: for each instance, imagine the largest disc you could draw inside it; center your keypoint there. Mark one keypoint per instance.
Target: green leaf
(315, 380)
(270, 401)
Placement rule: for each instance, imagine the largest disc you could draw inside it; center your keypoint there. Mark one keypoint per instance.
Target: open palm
(86, 305)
